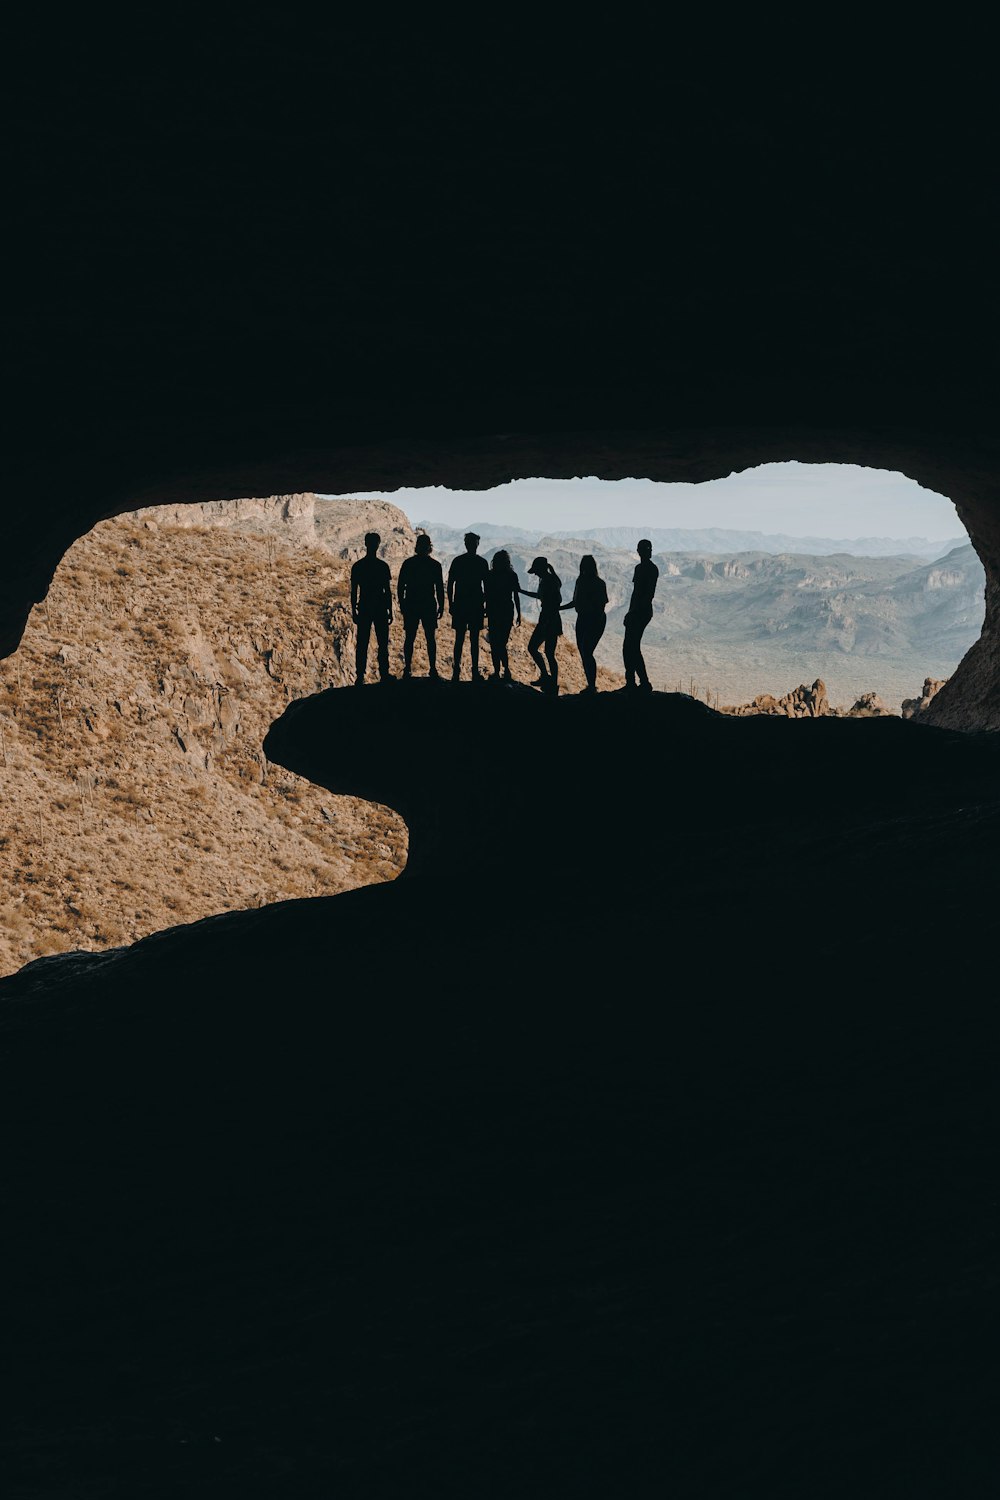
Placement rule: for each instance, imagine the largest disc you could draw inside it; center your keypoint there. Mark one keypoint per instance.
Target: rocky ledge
(623, 1125)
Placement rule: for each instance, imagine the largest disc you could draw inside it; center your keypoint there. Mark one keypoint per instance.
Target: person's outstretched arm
(451, 586)
(439, 589)
(517, 598)
(387, 590)
(400, 590)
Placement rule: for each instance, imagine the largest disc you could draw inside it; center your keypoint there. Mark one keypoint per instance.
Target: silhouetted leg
(501, 655)
(496, 648)
(640, 665)
(382, 636)
(588, 633)
(583, 634)
(535, 640)
(430, 636)
(474, 649)
(628, 657)
(410, 624)
(550, 653)
(631, 654)
(459, 644)
(361, 647)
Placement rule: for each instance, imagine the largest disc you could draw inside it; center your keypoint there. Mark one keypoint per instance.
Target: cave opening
(133, 715)
(769, 579)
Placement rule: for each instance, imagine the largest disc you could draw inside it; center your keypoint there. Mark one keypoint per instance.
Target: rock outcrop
(341, 525)
(291, 517)
(801, 703)
(914, 707)
(868, 706)
(810, 703)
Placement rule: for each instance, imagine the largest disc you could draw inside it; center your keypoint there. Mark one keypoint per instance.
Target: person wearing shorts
(546, 633)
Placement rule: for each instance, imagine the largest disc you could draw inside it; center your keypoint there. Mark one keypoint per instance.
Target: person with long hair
(546, 633)
(503, 602)
(590, 600)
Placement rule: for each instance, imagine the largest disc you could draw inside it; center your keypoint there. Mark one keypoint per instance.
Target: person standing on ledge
(421, 601)
(590, 600)
(467, 578)
(503, 601)
(371, 604)
(549, 628)
(640, 612)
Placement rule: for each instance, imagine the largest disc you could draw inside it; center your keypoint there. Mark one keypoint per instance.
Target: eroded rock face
(810, 703)
(134, 793)
(341, 525)
(913, 708)
(290, 516)
(801, 703)
(970, 699)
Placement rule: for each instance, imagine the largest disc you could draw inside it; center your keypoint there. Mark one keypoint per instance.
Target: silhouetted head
(372, 542)
(424, 545)
(501, 561)
(588, 566)
(644, 549)
(539, 567)
(471, 541)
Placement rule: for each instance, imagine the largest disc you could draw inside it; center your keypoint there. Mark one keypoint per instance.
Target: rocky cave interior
(625, 1173)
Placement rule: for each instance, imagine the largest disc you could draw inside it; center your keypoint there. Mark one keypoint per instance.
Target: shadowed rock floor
(684, 1182)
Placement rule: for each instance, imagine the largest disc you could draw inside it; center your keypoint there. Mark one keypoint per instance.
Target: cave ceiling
(253, 268)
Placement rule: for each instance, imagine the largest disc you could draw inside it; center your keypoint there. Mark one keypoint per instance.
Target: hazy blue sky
(829, 500)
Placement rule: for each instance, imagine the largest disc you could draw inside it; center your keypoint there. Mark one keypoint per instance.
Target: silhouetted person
(421, 601)
(371, 605)
(549, 628)
(590, 600)
(467, 601)
(503, 602)
(640, 612)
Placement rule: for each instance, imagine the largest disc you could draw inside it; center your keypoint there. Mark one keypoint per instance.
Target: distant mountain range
(766, 613)
(711, 540)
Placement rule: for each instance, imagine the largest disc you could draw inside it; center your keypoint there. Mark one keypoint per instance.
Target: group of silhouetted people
(481, 594)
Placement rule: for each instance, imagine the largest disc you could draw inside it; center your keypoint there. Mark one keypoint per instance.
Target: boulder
(912, 708)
